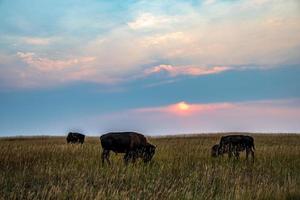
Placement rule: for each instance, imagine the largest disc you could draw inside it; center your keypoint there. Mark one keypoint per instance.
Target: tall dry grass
(48, 168)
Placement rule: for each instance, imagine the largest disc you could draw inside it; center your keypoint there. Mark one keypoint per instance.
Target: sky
(156, 67)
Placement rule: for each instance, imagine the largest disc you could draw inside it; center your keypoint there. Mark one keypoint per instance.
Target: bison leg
(252, 154)
(127, 157)
(230, 150)
(237, 155)
(236, 152)
(105, 156)
(248, 151)
(133, 157)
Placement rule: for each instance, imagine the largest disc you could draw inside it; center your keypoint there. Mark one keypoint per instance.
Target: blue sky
(158, 67)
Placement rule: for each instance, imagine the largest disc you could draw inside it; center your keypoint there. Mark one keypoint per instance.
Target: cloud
(37, 40)
(253, 116)
(216, 33)
(48, 65)
(183, 108)
(162, 39)
(209, 2)
(148, 20)
(34, 71)
(187, 36)
(186, 70)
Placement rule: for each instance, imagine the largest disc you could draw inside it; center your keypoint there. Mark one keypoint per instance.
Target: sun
(183, 106)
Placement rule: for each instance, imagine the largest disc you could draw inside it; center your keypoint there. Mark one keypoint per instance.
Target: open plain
(182, 168)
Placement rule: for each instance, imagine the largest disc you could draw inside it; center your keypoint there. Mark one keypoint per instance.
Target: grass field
(48, 168)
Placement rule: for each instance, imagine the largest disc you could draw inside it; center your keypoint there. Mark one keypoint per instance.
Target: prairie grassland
(48, 168)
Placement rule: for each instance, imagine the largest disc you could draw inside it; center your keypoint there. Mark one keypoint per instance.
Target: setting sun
(183, 106)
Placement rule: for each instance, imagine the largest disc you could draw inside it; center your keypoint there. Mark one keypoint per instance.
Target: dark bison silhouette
(216, 151)
(133, 144)
(75, 138)
(233, 144)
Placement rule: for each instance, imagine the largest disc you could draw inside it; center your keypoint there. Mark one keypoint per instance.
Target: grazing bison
(233, 144)
(133, 144)
(216, 151)
(75, 138)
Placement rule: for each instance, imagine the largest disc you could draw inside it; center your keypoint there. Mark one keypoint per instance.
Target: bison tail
(253, 146)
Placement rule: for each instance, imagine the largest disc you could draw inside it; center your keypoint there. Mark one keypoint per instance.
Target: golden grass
(48, 168)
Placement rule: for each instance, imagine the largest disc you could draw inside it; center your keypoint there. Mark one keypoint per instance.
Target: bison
(233, 144)
(75, 138)
(133, 144)
(216, 151)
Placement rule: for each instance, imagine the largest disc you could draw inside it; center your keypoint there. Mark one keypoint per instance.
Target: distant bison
(75, 138)
(133, 144)
(233, 144)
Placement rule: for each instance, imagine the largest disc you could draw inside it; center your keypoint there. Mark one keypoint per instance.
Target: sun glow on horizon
(183, 106)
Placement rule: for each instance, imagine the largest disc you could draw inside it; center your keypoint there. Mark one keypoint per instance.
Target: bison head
(222, 149)
(214, 150)
(148, 152)
(218, 150)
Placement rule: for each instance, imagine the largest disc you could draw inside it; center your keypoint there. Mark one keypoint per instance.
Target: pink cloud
(186, 70)
(256, 116)
(50, 65)
(183, 108)
(91, 74)
(36, 40)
